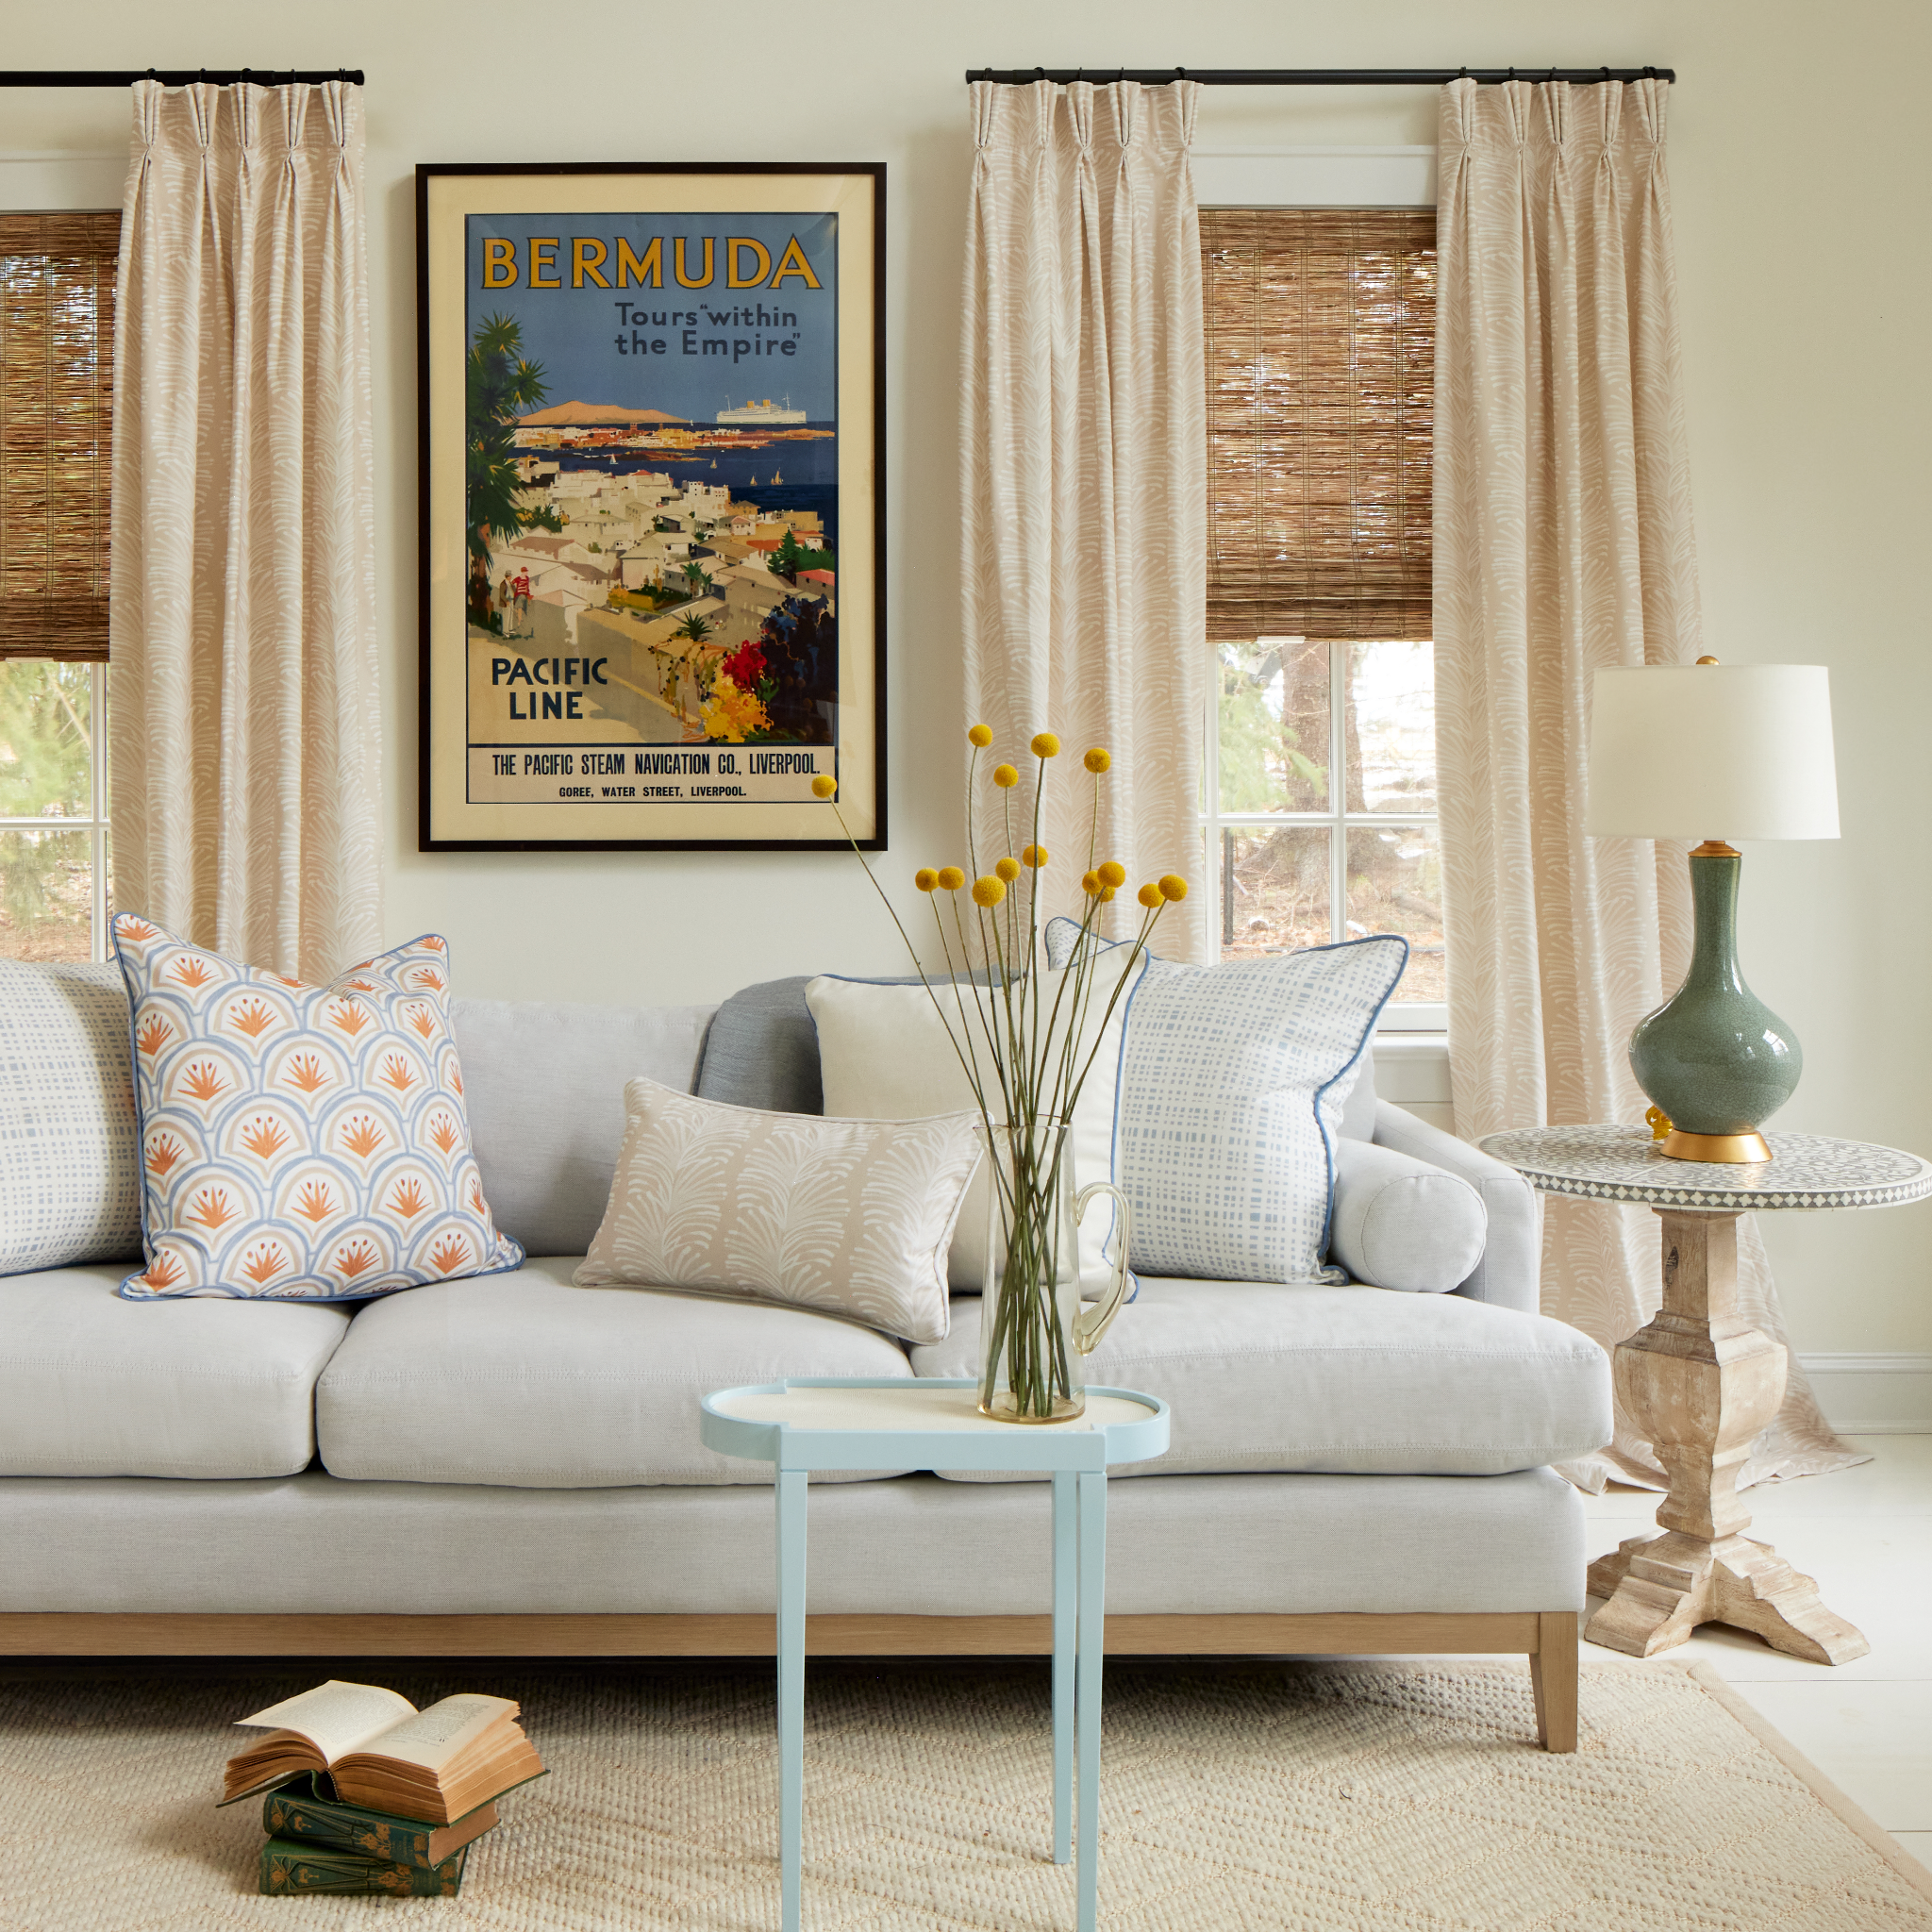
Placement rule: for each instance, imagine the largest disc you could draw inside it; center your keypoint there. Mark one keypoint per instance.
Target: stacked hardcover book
(318, 1843)
(372, 1795)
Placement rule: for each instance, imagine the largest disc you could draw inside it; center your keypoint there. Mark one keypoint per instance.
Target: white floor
(1865, 1536)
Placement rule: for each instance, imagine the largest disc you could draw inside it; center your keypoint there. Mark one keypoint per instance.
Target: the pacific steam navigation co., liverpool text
(749, 775)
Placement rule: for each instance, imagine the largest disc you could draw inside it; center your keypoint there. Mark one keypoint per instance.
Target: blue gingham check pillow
(1232, 1084)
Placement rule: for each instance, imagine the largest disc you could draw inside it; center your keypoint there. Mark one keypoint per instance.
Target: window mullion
(97, 801)
(1338, 792)
(1210, 814)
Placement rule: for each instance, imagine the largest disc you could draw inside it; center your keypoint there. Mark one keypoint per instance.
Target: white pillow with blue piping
(1233, 1079)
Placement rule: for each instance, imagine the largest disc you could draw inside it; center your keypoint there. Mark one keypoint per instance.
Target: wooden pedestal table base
(1701, 1382)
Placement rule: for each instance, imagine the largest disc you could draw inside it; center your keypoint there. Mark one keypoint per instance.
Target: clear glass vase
(1034, 1330)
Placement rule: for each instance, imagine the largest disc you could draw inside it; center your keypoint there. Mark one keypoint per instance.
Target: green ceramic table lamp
(1714, 752)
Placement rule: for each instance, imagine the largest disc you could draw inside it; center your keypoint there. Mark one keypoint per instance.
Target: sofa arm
(1510, 1268)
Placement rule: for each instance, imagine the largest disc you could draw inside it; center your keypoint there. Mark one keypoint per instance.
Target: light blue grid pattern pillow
(70, 1157)
(1232, 1083)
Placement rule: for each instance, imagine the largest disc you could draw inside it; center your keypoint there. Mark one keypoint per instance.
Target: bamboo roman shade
(57, 336)
(1321, 376)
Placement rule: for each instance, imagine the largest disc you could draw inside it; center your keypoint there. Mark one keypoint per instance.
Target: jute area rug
(1322, 1798)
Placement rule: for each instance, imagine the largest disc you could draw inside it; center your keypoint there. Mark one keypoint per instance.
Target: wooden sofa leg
(1553, 1676)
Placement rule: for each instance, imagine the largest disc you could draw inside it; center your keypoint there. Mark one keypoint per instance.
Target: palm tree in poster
(500, 383)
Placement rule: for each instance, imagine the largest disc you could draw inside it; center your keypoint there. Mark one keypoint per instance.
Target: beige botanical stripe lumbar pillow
(851, 1217)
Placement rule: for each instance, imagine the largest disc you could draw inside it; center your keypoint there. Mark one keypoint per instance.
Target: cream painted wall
(1794, 163)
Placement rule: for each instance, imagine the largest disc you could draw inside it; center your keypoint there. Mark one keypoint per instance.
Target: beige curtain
(242, 615)
(1563, 542)
(1084, 463)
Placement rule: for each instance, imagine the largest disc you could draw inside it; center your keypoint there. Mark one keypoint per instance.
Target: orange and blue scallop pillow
(300, 1142)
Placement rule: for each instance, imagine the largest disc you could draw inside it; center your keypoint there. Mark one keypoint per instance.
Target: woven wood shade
(57, 337)
(1321, 385)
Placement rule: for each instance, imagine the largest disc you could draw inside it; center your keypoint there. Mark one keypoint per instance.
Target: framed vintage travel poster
(653, 557)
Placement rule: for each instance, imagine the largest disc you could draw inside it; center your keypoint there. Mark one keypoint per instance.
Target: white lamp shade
(1712, 751)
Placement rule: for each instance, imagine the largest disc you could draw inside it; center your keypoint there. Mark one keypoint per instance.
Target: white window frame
(1398, 1016)
(1302, 177)
(96, 822)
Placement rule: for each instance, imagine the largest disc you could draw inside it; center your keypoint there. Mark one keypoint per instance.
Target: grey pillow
(762, 1051)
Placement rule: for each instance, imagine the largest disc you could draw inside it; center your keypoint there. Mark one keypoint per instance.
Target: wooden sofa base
(1547, 1638)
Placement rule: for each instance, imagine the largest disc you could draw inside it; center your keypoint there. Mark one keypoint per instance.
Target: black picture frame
(648, 227)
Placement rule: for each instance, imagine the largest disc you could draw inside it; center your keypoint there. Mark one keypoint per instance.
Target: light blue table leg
(1092, 1642)
(791, 1487)
(1066, 1554)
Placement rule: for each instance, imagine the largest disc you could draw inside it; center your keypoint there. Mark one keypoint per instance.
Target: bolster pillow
(1399, 1222)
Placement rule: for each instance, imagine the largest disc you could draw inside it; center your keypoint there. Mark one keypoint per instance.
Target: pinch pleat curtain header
(245, 722)
(1083, 460)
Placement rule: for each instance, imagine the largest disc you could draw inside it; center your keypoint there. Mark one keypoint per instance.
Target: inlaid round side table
(1702, 1381)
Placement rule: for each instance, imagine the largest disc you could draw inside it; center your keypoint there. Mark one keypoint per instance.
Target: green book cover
(288, 1867)
(307, 1809)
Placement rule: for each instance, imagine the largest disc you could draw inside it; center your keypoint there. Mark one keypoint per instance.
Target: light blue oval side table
(825, 1423)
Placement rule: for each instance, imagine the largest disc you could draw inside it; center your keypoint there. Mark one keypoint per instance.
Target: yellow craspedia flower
(1047, 747)
(1090, 883)
(1111, 873)
(1034, 855)
(1004, 777)
(1105, 894)
(1149, 895)
(951, 878)
(926, 878)
(1097, 761)
(987, 891)
(1007, 870)
(1172, 885)
(823, 785)
(981, 735)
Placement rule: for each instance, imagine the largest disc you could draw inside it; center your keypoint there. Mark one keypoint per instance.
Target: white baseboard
(1873, 1394)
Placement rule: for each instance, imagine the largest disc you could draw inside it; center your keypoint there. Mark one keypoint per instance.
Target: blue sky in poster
(659, 347)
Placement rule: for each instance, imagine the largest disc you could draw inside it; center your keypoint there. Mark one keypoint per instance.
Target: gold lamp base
(1739, 1150)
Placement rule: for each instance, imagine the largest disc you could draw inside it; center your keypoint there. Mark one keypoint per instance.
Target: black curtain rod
(1318, 77)
(185, 76)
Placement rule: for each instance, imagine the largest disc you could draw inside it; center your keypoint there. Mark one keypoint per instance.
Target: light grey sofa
(512, 1464)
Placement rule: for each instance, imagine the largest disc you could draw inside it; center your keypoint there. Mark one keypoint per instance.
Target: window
(1319, 808)
(56, 330)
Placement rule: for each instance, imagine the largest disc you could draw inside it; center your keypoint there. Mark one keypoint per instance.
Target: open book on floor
(381, 1752)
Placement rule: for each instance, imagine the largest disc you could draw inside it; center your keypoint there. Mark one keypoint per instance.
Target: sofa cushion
(300, 1142)
(1351, 1381)
(92, 1384)
(546, 1089)
(530, 1382)
(70, 1154)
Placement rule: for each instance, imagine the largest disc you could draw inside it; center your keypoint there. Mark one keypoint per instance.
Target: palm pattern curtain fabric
(1563, 542)
(245, 732)
(1083, 453)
